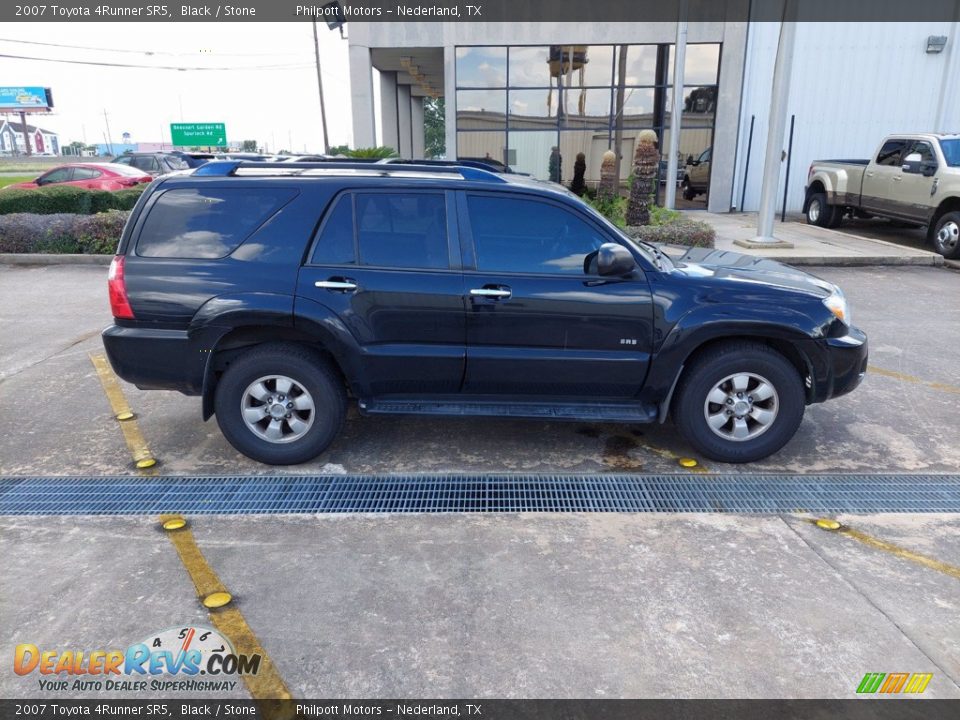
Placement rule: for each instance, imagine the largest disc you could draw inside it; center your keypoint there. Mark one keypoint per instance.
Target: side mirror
(911, 163)
(690, 160)
(614, 260)
(928, 168)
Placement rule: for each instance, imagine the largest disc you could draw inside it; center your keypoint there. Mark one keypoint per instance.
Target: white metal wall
(851, 84)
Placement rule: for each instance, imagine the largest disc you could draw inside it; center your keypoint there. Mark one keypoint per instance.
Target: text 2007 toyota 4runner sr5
(911, 178)
(277, 291)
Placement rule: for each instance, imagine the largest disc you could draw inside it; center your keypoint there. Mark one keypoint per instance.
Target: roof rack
(327, 168)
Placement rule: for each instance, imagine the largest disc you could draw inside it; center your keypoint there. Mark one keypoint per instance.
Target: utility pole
(109, 136)
(26, 135)
(676, 112)
(323, 112)
(776, 126)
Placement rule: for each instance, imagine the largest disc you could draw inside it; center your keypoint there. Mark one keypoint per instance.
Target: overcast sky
(279, 107)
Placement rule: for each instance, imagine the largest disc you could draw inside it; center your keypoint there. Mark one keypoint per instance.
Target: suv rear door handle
(342, 284)
(492, 292)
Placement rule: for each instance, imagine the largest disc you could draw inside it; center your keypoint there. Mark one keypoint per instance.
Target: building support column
(361, 97)
(777, 126)
(404, 121)
(416, 127)
(676, 112)
(389, 112)
(450, 100)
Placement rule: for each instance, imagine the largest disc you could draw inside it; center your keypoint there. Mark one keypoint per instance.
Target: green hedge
(691, 233)
(74, 200)
(62, 232)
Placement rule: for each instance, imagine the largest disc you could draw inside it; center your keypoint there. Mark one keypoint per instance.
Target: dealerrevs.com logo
(171, 660)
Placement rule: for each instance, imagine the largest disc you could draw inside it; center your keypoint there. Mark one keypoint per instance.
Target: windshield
(951, 151)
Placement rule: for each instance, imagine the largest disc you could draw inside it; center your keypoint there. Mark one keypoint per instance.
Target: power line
(155, 67)
(142, 52)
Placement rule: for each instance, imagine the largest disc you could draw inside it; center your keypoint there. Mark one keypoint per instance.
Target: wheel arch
(239, 339)
(950, 204)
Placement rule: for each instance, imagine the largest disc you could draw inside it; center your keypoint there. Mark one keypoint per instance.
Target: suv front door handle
(495, 293)
(342, 284)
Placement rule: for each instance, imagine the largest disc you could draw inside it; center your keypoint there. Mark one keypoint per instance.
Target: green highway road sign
(190, 134)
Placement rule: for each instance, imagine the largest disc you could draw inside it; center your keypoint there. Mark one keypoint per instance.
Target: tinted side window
(206, 222)
(57, 176)
(890, 152)
(335, 244)
(528, 236)
(82, 173)
(925, 150)
(404, 230)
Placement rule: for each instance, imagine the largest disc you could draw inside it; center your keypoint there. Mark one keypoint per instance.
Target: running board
(584, 412)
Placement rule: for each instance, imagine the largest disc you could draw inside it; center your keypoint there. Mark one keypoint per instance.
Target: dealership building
(522, 92)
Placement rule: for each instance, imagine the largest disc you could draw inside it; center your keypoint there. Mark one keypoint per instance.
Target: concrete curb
(52, 259)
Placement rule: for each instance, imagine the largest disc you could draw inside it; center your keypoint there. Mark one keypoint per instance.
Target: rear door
(537, 322)
(387, 263)
(877, 190)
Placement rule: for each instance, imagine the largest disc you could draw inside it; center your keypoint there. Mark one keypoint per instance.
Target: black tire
(688, 192)
(821, 214)
(836, 216)
(689, 408)
(945, 235)
(311, 373)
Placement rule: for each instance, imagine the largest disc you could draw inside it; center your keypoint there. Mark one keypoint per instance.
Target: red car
(92, 176)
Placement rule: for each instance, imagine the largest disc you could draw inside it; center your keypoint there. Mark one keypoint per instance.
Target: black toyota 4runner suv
(278, 291)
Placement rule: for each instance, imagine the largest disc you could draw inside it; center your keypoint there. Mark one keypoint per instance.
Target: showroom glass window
(536, 108)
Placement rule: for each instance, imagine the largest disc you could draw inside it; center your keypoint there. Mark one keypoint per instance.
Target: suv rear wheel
(280, 404)
(739, 402)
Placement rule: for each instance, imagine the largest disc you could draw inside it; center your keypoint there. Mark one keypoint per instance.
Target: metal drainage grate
(478, 493)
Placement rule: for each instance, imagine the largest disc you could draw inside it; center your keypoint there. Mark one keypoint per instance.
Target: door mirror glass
(614, 260)
(690, 160)
(928, 168)
(911, 163)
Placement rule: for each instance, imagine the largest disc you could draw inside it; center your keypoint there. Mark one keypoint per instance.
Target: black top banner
(511, 11)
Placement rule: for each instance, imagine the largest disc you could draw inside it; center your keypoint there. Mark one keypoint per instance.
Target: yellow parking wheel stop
(217, 599)
(688, 462)
(828, 524)
(146, 463)
(174, 523)
(125, 416)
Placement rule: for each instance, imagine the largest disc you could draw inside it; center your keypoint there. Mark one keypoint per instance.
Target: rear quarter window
(207, 222)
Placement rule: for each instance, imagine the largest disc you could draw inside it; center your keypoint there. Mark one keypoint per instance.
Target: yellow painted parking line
(143, 459)
(903, 377)
(888, 547)
(229, 621)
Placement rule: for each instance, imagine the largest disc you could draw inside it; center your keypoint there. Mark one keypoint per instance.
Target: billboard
(198, 134)
(25, 98)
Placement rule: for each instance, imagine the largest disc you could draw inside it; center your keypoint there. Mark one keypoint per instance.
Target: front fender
(717, 322)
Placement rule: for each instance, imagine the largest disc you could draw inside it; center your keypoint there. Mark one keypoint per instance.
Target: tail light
(119, 304)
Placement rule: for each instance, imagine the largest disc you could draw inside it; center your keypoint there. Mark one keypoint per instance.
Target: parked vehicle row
(911, 178)
(276, 293)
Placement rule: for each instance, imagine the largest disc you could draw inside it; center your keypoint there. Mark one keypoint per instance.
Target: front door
(913, 191)
(386, 265)
(538, 321)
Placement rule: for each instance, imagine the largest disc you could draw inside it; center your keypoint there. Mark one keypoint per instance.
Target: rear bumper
(847, 362)
(155, 359)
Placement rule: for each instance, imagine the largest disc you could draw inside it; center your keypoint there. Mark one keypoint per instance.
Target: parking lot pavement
(533, 605)
(57, 420)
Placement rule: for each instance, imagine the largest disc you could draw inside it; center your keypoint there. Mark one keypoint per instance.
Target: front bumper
(847, 362)
(155, 359)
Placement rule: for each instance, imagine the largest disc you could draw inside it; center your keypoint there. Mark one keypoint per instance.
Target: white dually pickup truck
(911, 178)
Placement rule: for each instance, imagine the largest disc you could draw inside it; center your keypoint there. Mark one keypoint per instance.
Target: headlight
(837, 304)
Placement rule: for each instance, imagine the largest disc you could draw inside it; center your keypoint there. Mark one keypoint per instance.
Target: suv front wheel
(739, 402)
(280, 404)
